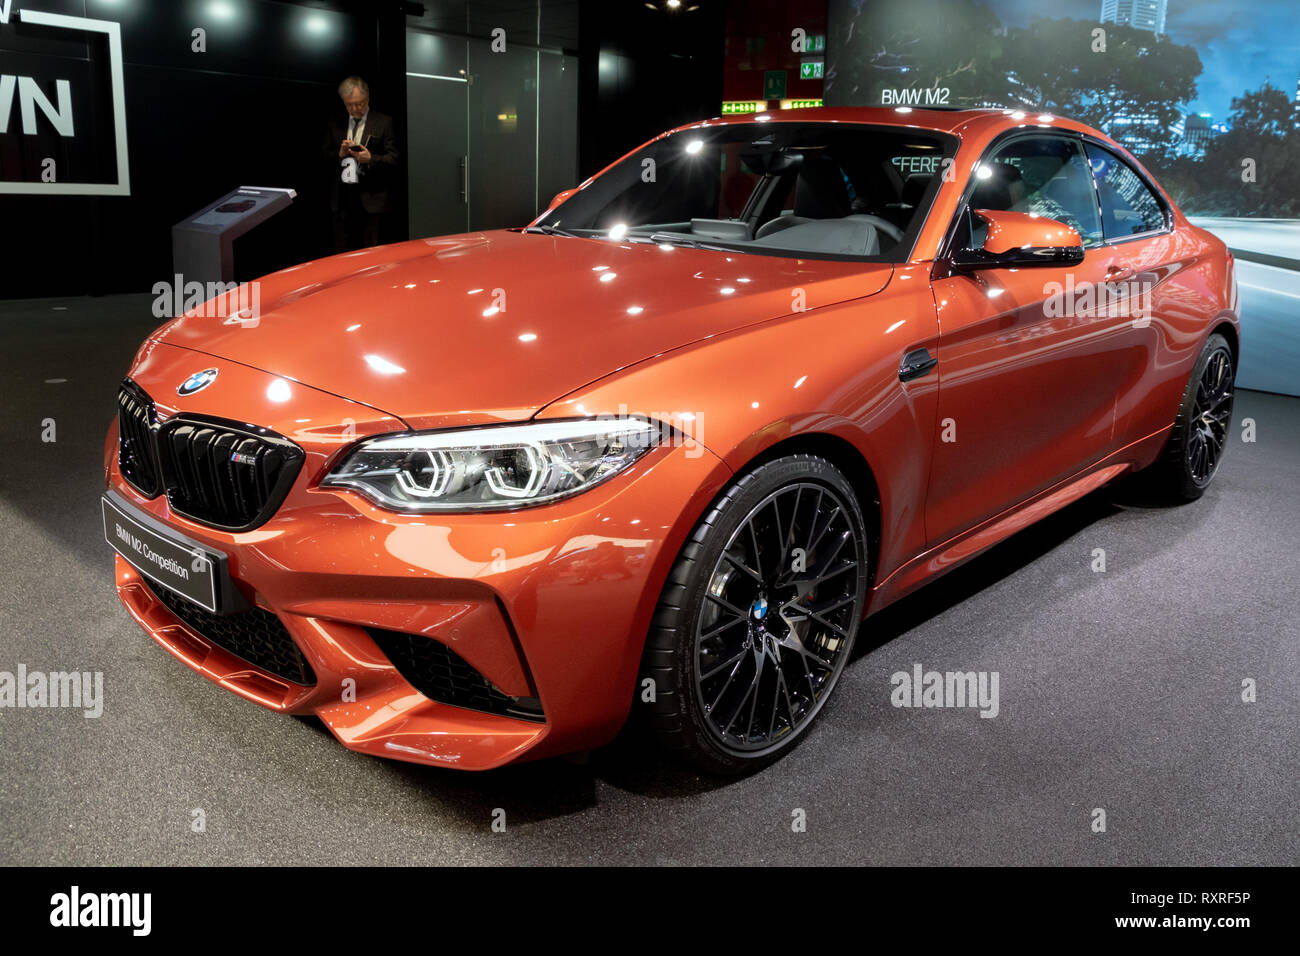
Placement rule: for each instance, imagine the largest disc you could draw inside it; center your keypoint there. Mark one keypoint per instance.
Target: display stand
(203, 244)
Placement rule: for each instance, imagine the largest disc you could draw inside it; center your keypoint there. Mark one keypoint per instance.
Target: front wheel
(1200, 434)
(758, 616)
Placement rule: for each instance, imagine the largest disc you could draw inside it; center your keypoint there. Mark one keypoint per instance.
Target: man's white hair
(354, 83)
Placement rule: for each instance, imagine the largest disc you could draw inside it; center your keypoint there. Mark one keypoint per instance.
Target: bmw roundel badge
(197, 382)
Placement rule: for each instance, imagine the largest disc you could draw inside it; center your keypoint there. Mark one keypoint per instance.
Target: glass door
(437, 111)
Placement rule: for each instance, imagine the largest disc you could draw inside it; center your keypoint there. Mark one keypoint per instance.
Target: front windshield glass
(812, 190)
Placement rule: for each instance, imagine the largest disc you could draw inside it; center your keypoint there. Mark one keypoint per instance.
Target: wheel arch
(1224, 326)
(845, 456)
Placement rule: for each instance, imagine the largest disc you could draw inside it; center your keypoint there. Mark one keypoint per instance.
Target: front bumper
(550, 603)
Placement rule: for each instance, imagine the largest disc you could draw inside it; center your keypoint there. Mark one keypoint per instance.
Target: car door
(1146, 288)
(1027, 380)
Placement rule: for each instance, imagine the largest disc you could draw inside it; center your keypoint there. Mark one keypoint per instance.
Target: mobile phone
(355, 148)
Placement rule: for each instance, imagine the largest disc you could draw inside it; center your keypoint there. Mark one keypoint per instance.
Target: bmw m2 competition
(478, 498)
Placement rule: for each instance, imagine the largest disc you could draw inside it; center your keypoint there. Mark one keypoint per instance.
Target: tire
(736, 685)
(1200, 434)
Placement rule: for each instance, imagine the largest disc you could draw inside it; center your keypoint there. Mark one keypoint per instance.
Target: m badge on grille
(243, 459)
(197, 382)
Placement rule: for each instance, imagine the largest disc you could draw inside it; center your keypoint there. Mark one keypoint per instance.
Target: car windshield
(809, 190)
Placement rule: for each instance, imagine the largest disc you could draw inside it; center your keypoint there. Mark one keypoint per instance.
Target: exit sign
(811, 69)
(774, 85)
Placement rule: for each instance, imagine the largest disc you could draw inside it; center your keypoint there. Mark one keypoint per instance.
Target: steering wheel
(884, 225)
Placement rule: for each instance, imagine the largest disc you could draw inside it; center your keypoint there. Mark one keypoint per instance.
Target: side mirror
(560, 197)
(1018, 240)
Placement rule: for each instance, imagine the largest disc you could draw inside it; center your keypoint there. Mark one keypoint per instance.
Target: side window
(1128, 207)
(1048, 176)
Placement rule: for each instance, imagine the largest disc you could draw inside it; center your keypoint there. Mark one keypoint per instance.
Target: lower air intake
(255, 635)
(440, 674)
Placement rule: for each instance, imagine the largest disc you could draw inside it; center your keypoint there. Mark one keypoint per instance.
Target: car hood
(492, 326)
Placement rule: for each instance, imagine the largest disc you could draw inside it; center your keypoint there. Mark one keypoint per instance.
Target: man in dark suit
(362, 157)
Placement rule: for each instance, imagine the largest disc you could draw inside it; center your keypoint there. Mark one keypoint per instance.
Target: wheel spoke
(834, 605)
(719, 628)
(752, 688)
(726, 685)
(780, 534)
(812, 545)
(788, 540)
(834, 553)
(758, 685)
(773, 532)
(741, 566)
(724, 665)
(789, 707)
(796, 644)
(728, 606)
(758, 554)
(777, 687)
(834, 627)
(828, 576)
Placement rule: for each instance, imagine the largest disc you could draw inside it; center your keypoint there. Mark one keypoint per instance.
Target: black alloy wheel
(1201, 432)
(759, 614)
(1211, 417)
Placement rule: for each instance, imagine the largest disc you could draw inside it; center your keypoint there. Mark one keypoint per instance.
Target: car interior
(807, 199)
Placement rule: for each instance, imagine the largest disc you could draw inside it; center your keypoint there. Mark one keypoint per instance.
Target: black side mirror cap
(972, 260)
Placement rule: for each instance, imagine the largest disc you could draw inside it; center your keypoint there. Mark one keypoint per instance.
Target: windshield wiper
(694, 243)
(552, 231)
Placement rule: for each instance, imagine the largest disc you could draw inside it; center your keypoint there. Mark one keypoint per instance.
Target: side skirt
(961, 548)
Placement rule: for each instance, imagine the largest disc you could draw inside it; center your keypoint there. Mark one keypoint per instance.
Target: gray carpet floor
(1118, 690)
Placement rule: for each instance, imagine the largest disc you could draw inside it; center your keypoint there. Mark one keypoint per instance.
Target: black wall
(249, 111)
(643, 71)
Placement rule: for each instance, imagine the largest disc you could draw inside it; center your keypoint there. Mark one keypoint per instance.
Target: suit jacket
(376, 177)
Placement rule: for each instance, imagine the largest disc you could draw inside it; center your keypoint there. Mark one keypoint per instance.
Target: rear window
(1128, 207)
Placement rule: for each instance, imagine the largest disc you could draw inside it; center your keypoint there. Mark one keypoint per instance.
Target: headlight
(495, 467)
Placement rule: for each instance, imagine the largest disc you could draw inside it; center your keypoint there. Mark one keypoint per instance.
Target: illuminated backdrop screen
(1204, 92)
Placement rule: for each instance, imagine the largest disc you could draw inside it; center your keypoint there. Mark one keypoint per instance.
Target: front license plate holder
(170, 559)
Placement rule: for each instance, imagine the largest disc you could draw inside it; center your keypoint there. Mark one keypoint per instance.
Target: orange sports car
(474, 499)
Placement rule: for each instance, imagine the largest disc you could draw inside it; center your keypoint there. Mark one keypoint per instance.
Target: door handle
(1118, 274)
(915, 364)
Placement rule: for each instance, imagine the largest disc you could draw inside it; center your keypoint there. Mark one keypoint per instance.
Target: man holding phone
(362, 153)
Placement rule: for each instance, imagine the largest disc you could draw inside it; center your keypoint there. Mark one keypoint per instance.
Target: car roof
(955, 120)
